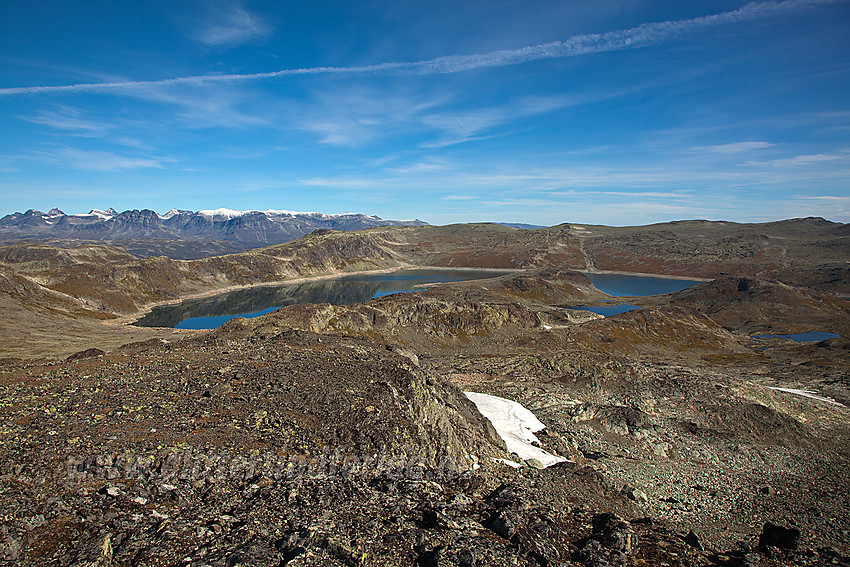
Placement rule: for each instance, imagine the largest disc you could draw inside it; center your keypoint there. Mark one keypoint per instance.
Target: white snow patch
(95, 213)
(169, 214)
(227, 213)
(231, 213)
(510, 463)
(515, 425)
(807, 394)
(298, 213)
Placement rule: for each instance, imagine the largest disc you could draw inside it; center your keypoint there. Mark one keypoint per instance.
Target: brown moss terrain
(267, 444)
(795, 248)
(113, 281)
(327, 435)
(117, 282)
(452, 315)
(78, 288)
(765, 307)
(38, 321)
(485, 246)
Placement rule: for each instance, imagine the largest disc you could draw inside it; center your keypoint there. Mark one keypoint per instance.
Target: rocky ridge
(322, 435)
(261, 444)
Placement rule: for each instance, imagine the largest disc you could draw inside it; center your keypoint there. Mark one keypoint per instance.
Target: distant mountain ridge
(249, 229)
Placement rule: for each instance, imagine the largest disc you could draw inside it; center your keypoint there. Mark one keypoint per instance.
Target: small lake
(212, 312)
(807, 337)
(622, 285)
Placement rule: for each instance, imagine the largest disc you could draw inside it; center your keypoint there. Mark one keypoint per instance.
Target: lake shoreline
(130, 319)
(645, 275)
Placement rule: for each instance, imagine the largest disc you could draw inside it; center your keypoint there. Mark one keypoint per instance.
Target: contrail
(619, 40)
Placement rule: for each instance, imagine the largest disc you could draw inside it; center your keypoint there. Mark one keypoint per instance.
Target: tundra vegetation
(321, 434)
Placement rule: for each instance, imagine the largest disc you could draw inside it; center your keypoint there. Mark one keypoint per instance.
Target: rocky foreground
(323, 435)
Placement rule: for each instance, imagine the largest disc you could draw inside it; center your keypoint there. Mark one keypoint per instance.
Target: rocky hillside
(791, 251)
(339, 435)
(80, 287)
(811, 252)
(794, 248)
(105, 282)
(206, 429)
(319, 435)
(114, 281)
(757, 306)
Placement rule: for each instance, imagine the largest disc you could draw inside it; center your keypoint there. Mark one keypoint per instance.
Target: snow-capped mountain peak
(174, 213)
(227, 213)
(107, 214)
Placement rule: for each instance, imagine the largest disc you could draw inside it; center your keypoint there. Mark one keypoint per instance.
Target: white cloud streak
(353, 117)
(234, 26)
(459, 127)
(736, 147)
(801, 160)
(641, 36)
(822, 198)
(70, 121)
(677, 180)
(102, 161)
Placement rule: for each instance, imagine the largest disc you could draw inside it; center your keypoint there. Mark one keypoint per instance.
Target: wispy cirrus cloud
(800, 160)
(67, 120)
(225, 107)
(464, 126)
(673, 180)
(640, 194)
(822, 198)
(736, 147)
(653, 33)
(344, 182)
(101, 160)
(227, 26)
(426, 166)
(354, 117)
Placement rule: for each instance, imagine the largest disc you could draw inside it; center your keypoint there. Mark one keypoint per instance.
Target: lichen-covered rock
(615, 533)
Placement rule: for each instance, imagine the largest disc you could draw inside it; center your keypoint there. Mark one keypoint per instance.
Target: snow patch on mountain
(218, 213)
(105, 215)
(171, 213)
(516, 425)
(232, 213)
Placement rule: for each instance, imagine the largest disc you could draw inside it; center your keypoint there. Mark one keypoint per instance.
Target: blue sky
(616, 112)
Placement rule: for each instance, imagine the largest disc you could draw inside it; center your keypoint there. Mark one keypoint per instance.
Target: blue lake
(807, 337)
(212, 312)
(621, 285)
(213, 322)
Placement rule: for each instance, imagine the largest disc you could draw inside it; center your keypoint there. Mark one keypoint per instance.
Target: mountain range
(220, 230)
